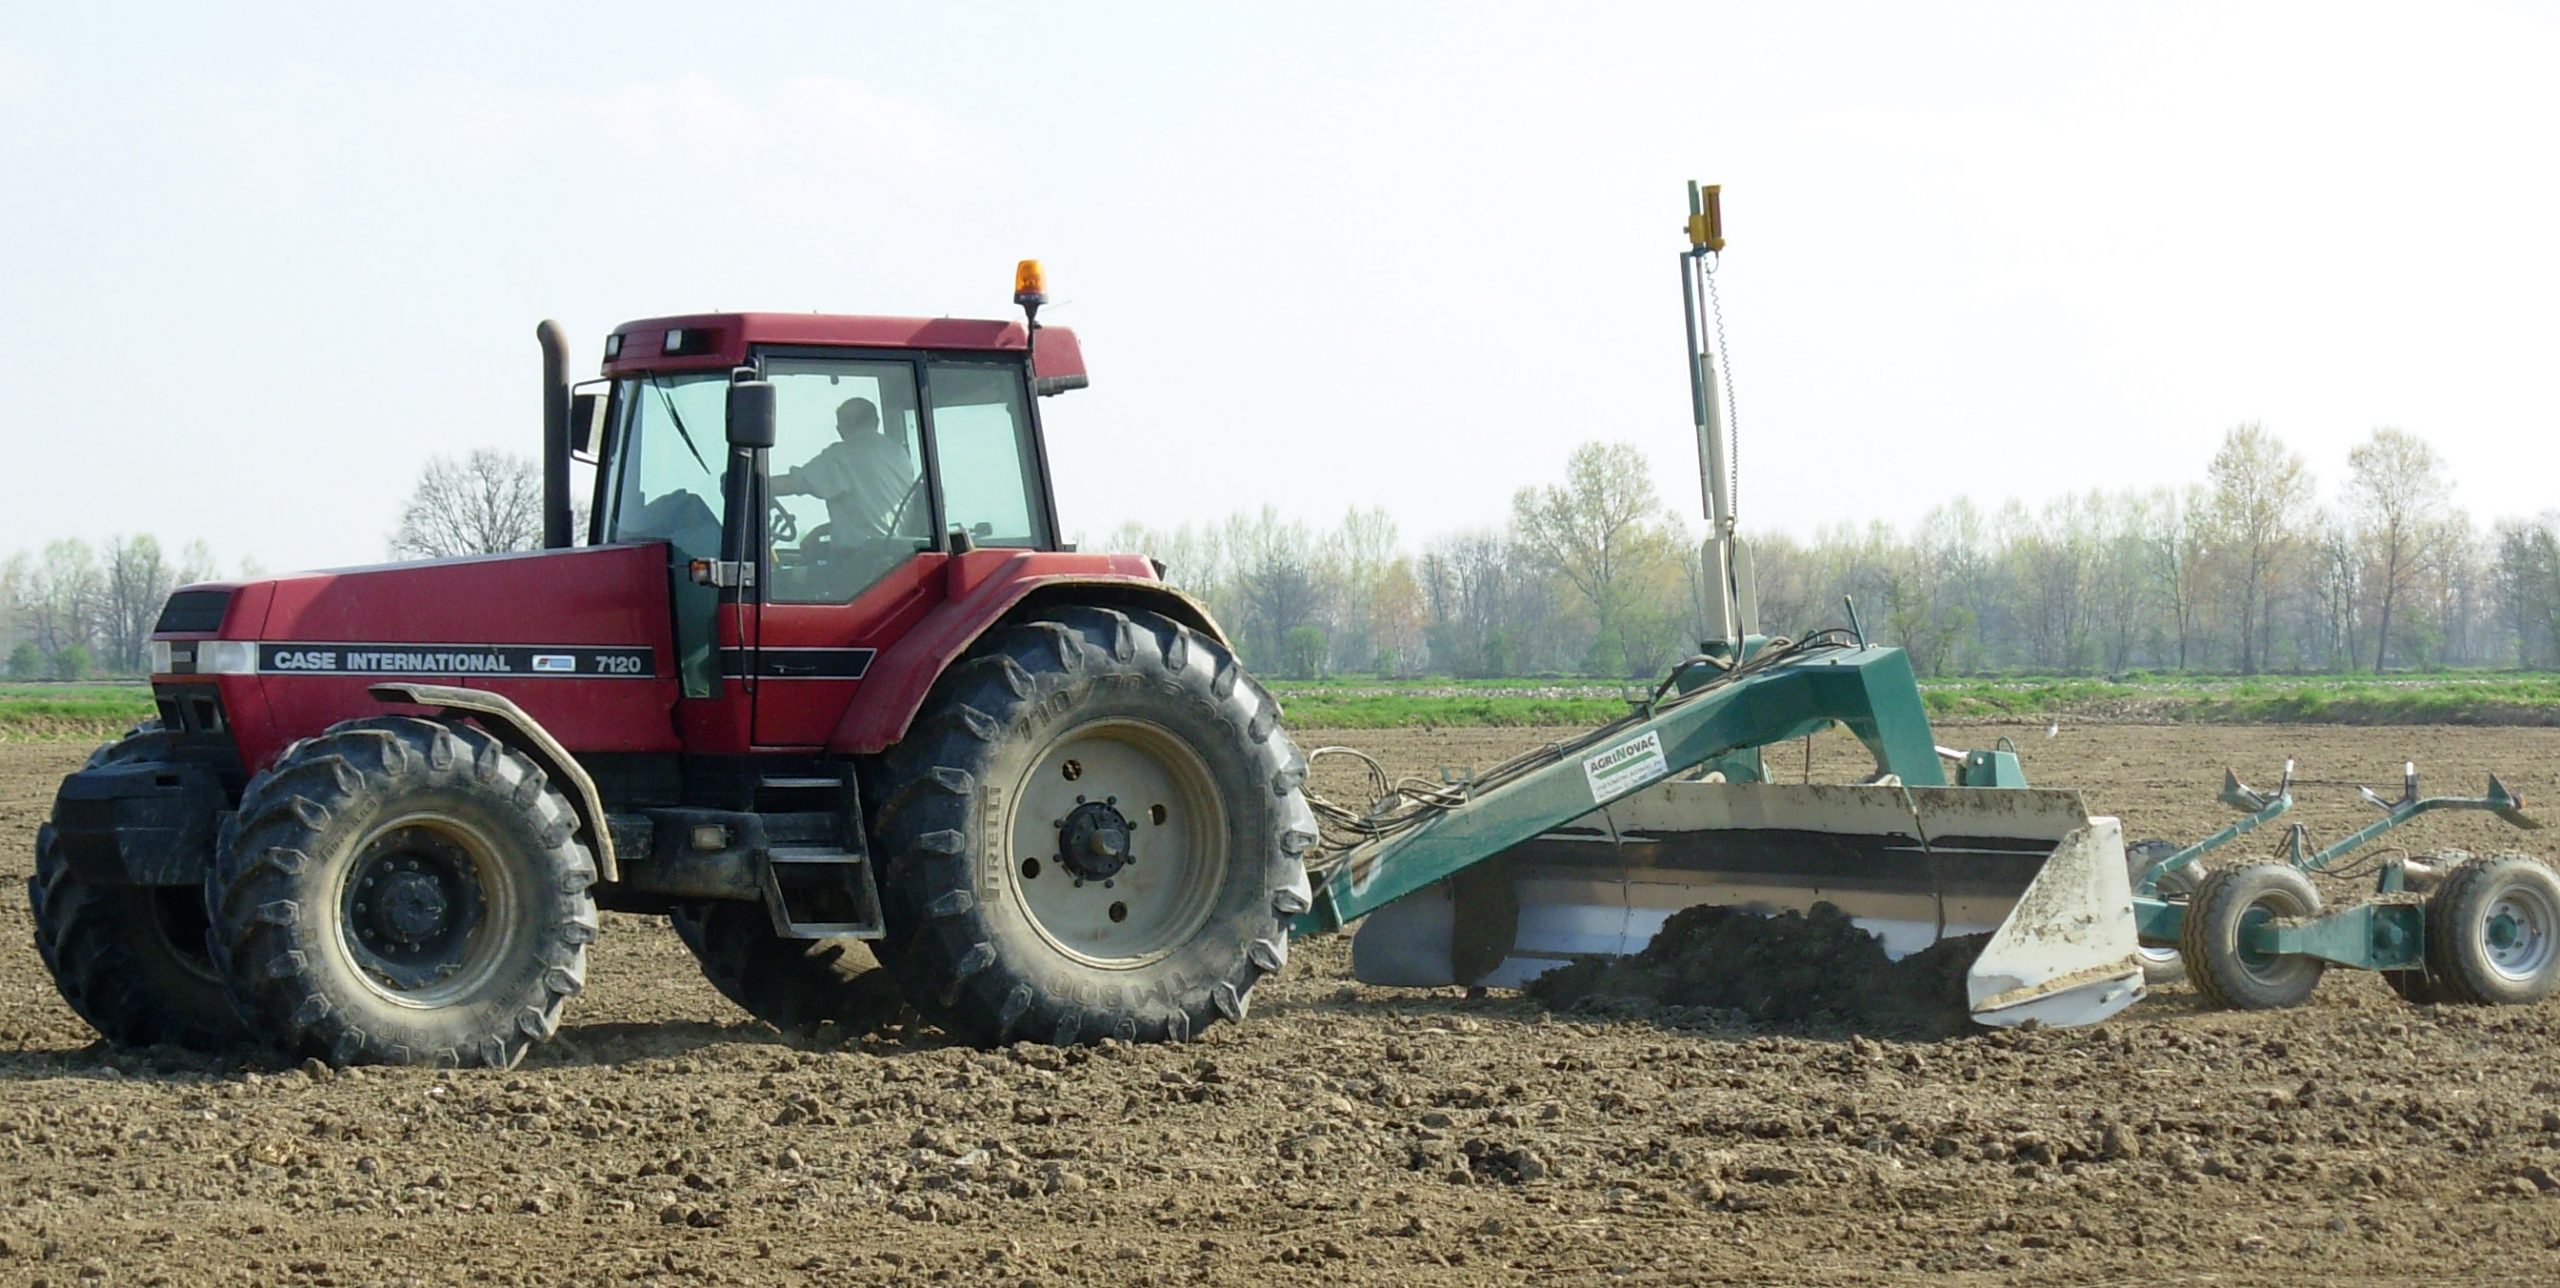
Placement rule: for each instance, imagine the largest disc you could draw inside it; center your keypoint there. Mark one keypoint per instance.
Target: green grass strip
(2350, 700)
(31, 712)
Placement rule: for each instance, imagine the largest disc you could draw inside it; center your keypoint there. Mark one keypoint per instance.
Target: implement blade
(2029, 868)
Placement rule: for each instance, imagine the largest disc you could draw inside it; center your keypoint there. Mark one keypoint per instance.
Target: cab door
(989, 473)
(850, 561)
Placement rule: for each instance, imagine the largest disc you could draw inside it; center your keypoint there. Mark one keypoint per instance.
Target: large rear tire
(799, 986)
(400, 891)
(130, 960)
(2227, 905)
(1094, 829)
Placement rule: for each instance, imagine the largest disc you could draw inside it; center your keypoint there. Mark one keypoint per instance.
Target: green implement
(1585, 848)
(2258, 936)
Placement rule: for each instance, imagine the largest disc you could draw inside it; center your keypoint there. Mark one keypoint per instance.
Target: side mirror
(751, 414)
(586, 426)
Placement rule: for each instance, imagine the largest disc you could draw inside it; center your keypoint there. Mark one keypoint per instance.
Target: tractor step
(821, 891)
(788, 792)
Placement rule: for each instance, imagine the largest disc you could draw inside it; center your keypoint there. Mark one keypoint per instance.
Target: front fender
(518, 729)
(904, 672)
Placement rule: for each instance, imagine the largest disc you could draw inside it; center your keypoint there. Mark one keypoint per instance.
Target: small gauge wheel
(2223, 916)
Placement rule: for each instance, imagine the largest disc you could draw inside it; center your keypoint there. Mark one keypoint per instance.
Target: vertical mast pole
(1724, 614)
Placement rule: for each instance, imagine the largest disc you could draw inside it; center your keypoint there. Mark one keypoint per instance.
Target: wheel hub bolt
(1093, 841)
(411, 908)
(2502, 932)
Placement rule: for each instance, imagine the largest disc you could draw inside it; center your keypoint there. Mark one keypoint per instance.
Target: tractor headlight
(156, 655)
(226, 657)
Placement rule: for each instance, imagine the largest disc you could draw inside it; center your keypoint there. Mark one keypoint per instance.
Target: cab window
(674, 440)
(846, 478)
(984, 454)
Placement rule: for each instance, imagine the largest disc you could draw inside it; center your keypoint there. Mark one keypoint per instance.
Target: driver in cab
(865, 477)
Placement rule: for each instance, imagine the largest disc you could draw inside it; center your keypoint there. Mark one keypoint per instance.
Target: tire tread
(936, 944)
(256, 885)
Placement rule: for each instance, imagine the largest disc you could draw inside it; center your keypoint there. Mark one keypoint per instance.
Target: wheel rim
(2163, 955)
(426, 911)
(2162, 883)
(1118, 843)
(2268, 968)
(2517, 935)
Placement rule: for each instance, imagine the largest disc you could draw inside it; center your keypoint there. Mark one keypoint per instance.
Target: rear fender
(905, 672)
(512, 725)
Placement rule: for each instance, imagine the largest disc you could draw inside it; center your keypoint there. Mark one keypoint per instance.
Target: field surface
(1346, 1132)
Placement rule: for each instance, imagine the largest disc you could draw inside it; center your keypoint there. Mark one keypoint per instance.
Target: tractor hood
(579, 638)
(606, 595)
(598, 596)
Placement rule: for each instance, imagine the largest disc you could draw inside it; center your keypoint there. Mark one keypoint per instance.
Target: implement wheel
(2162, 964)
(130, 959)
(2493, 933)
(401, 891)
(2225, 908)
(796, 985)
(1094, 829)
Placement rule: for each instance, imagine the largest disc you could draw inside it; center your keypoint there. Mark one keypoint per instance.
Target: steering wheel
(779, 523)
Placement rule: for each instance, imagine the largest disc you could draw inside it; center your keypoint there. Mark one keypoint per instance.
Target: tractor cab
(804, 543)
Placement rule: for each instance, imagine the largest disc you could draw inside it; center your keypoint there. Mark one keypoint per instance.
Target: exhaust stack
(556, 534)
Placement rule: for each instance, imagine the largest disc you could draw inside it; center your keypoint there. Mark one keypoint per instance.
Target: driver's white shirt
(863, 480)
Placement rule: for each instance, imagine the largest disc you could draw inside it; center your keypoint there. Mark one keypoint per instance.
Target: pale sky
(261, 263)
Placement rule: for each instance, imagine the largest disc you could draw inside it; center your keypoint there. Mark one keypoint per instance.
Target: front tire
(1094, 829)
(130, 959)
(400, 891)
(799, 986)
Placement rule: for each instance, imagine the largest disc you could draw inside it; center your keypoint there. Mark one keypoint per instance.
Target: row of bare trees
(2248, 571)
(1589, 575)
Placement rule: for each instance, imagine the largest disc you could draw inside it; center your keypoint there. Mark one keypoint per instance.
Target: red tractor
(823, 685)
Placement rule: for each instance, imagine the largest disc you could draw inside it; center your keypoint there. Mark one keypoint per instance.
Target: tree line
(2248, 570)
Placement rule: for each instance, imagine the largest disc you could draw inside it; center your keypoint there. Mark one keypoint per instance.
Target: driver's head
(856, 416)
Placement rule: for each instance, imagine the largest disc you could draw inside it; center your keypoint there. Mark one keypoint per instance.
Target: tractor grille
(190, 708)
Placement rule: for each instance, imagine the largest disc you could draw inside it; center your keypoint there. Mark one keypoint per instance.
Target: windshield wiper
(668, 401)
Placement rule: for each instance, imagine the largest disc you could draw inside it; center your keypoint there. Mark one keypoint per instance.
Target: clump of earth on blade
(1813, 971)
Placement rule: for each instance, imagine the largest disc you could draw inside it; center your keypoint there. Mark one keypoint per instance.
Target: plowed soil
(1344, 1131)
